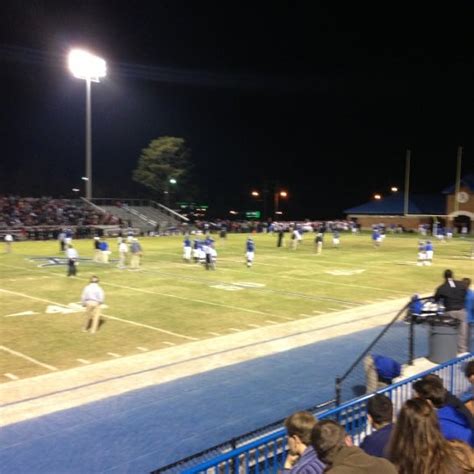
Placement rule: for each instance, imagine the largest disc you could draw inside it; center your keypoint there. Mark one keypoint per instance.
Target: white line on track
(271, 321)
(334, 309)
(23, 356)
(83, 361)
(234, 329)
(11, 376)
(127, 321)
(113, 354)
(143, 349)
(214, 333)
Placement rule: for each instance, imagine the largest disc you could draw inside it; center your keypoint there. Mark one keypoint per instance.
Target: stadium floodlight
(173, 181)
(377, 197)
(255, 193)
(394, 189)
(91, 68)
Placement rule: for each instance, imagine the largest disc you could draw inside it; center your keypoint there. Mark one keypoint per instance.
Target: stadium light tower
(84, 65)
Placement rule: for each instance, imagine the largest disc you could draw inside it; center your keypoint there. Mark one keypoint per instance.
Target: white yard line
(254, 325)
(127, 321)
(83, 361)
(23, 356)
(11, 376)
(113, 354)
(169, 343)
(143, 349)
(214, 333)
(143, 290)
(235, 330)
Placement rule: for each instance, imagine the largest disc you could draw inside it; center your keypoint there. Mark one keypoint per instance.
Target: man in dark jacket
(452, 294)
(380, 415)
(334, 448)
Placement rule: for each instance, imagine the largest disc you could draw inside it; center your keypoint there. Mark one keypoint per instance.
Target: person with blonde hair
(417, 445)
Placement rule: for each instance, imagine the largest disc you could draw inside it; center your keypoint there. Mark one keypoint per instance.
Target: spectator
(380, 415)
(452, 400)
(469, 373)
(335, 449)
(453, 294)
(464, 456)
(417, 445)
(453, 423)
(301, 458)
(469, 300)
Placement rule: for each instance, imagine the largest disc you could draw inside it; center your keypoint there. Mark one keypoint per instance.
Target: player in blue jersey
(187, 249)
(429, 250)
(376, 237)
(250, 251)
(421, 253)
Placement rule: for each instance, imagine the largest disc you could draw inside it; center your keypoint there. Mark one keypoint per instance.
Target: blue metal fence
(267, 454)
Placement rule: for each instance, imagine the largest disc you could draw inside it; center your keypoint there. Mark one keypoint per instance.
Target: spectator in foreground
(452, 400)
(301, 458)
(380, 415)
(417, 445)
(453, 423)
(469, 373)
(335, 449)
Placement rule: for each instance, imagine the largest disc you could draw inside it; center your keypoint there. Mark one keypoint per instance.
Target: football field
(169, 303)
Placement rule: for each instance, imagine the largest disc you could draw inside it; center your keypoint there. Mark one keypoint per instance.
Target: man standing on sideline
(92, 297)
(301, 457)
(123, 250)
(72, 258)
(8, 243)
(187, 249)
(97, 251)
(453, 294)
(136, 251)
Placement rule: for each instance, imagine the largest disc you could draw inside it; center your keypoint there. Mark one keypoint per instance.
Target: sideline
(23, 356)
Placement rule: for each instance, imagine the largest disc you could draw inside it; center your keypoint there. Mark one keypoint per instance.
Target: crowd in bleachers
(18, 212)
(432, 434)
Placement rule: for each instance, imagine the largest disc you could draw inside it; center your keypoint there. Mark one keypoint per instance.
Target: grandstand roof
(430, 204)
(467, 181)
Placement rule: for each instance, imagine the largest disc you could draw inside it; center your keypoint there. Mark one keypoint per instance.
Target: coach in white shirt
(72, 257)
(92, 297)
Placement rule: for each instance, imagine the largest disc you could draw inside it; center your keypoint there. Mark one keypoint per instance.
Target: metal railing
(267, 454)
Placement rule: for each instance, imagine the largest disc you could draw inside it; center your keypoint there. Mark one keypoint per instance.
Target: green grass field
(169, 302)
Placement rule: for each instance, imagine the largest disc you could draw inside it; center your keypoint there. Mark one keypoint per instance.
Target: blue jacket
(454, 425)
(387, 368)
(308, 463)
(375, 443)
(470, 305)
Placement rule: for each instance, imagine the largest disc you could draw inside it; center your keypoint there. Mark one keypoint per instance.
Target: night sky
(322, 97)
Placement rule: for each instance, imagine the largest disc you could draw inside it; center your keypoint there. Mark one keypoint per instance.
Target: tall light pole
(277, 196)
(84, 65)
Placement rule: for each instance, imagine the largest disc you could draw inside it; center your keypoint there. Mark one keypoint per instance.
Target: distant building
(446, 208)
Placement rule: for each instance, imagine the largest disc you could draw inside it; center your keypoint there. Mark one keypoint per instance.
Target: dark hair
(380, 408)
(300, 423)
(327, 438)
(416, 444)
(448, 274)
(469, 369)
(467, 282)
(431, 390)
